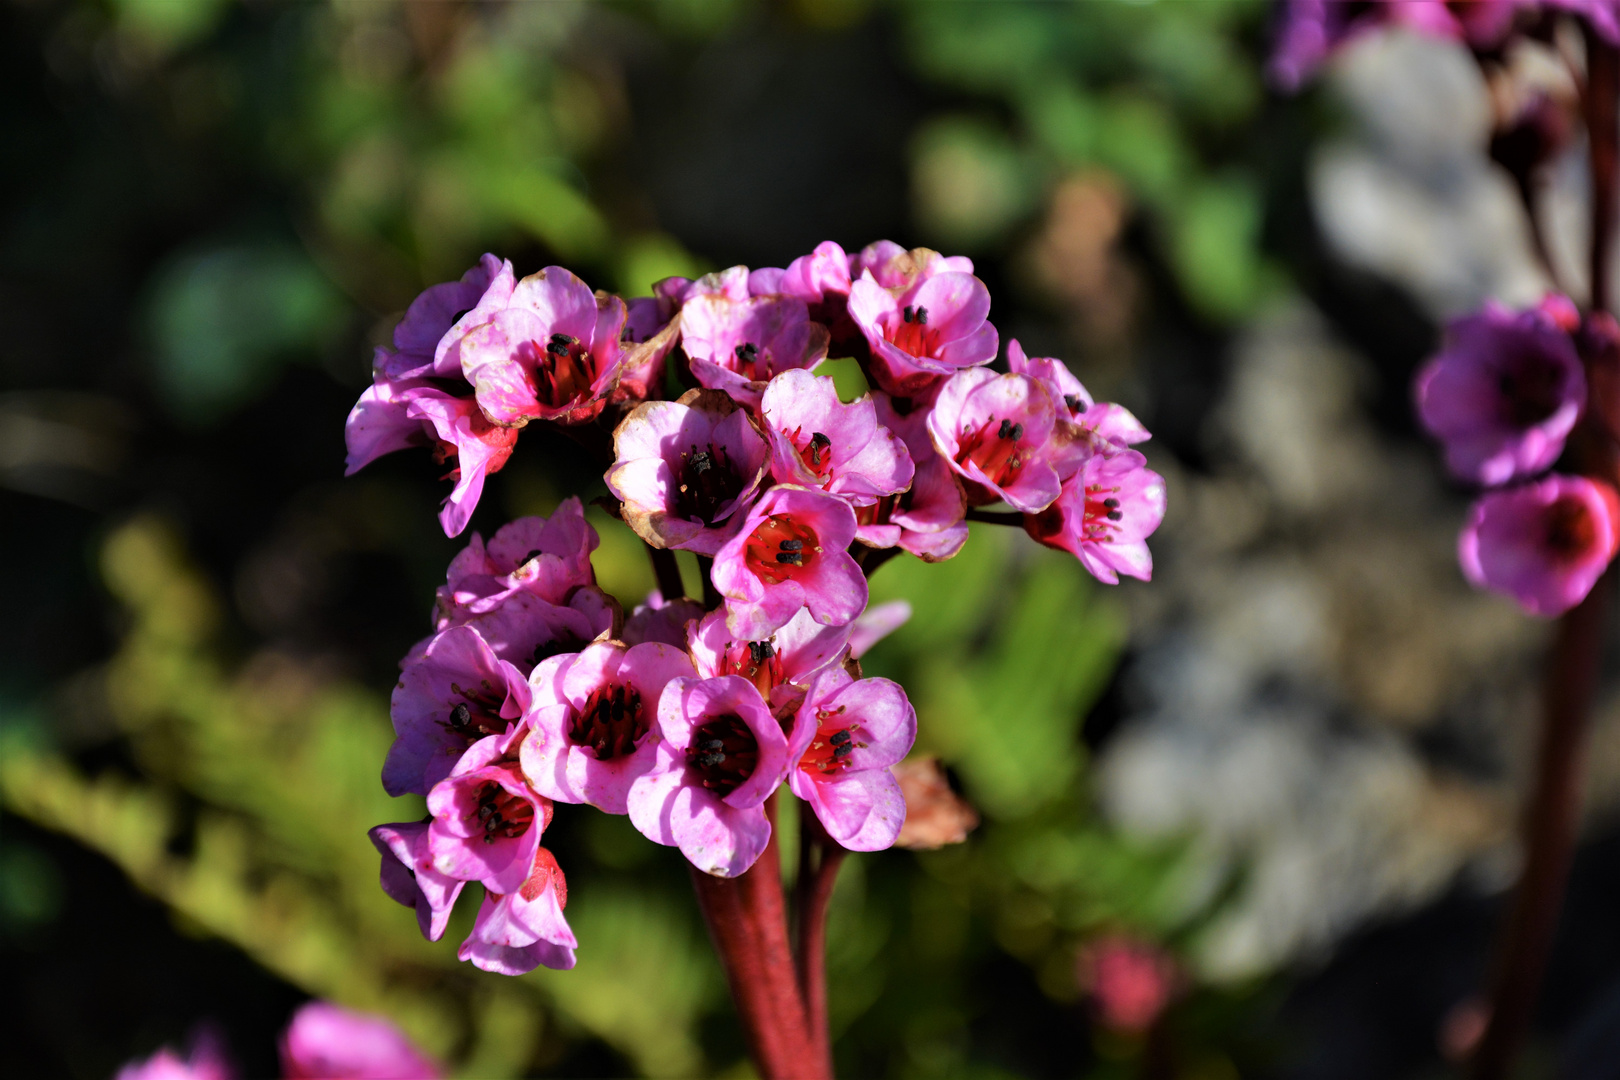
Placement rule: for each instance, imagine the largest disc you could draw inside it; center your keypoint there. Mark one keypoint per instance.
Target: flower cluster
(687, 717)
(1504, 395)
(323, 1042)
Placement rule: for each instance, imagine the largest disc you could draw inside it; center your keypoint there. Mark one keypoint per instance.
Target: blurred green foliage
(405, 139)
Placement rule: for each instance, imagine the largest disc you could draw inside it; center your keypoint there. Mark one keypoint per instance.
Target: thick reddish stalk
(1549, 828)
(1552, 817)
(819, 859)
(748, 923)
(667, 572)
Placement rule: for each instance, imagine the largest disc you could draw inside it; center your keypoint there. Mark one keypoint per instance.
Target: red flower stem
(997, 517)
(1602, 106)
(1549, 829)
(747, 920)
(820, 856)
(667, 572)
(1553, 815)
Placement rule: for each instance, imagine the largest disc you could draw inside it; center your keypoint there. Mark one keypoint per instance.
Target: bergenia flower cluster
(535, 689)
(1504, 395)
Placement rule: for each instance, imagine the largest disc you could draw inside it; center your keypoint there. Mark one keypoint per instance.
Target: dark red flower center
(835, 741)
(707, 481)
(1532, 387)
(477, 714)
(757, 662)
(564, 372)
(723, 754)
(815, 451)
(996, 448)
(1571, 531)
(611, 723)
(913, 335)
(749, 362)
(501, 813)
(780, 548)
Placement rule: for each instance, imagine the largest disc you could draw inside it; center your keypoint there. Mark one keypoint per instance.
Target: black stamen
(906, 314)
(1114, 515)
(561, 339)
(535, 554)
(922, 315)
(1005, 431)
(793, 558)
(1111, 502)
(761, 651)
(1072, 401)
(791, 545)
(746, 351)
(702, 462)
(461, 716)
(556, 348)
(843, 751)
(840, 737)
(711, 758)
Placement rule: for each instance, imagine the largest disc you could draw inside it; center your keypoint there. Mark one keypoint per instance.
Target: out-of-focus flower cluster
(323, 1042)
(1504, 395)
(687, 717)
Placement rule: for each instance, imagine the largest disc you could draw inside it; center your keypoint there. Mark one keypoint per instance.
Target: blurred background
(1253, 819)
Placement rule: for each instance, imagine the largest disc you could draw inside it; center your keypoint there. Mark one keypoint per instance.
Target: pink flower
(1130, 981)
(737, 345)
(822, 280)
(876, 623)
(819, 442)
(393, 415)
(686, 470)
(846, 735)
(455, 692)
(780, 665)
(549, 557)
(207, 1061)
(923, 333)
(591, 721)
(1311, 30)
(525, 630)
(661, 620)
(893, 267)
(520, 931)
(552, 354)
(1101, 420)
(1002, 434)
(484, 289)
(1544, 544)
(1104, 516)
(325, 1042)
(408, 876)
(719, 755)
(1505, 391)
(649, 334)
(487, 821)
(790, 553)
(927, 519)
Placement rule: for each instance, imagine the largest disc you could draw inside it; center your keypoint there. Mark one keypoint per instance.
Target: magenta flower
(1104, 516)
(552, 354)
(325, 1042)
(1505, 391)
(925, 332)
(1003, 436)
(927, 519)
(408, 876)
(819, 442)
(1101, 420)
(686, 470)
(780, 665)
(207, 1061)
(720, 753)
(455, 692)
(549, 557)
(525, 630)
(846, 735)
(392, 416)
(591, 720)
(790, 553)
(1309, 31)
(417, 352)
(1544, 544)
(487, 821)
(519, 931)
(893, 267)
(661, 620)
(649, 333)
(737, 345)
(822, 280)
